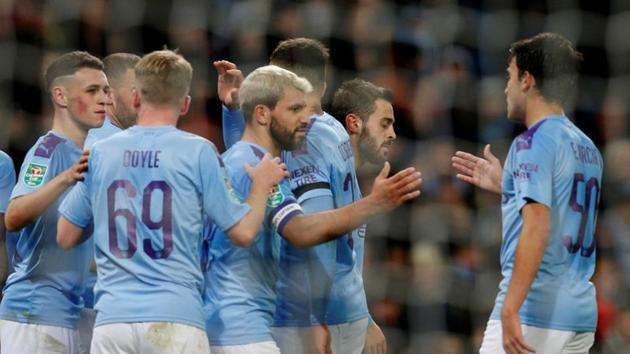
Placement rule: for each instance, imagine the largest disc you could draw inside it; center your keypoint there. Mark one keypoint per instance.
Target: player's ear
(353, 124)
(135, 99)
(527, 81)
(59, 96)
(183, 109)
(262, 114)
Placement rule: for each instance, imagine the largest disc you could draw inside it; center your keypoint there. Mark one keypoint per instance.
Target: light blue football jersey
(241, 282)
(7, 182)
(323, 167)
(553, 163)
(106, 130)
(149, 188)
(47, 283)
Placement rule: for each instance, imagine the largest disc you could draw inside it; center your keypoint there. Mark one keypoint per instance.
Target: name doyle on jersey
(141, 158)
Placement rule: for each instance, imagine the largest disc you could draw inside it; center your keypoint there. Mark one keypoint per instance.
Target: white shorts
(86, 327)
(544, 340)
(253, 348)
(149, 338)
(292, 340)
(346, 338)
(20, 338)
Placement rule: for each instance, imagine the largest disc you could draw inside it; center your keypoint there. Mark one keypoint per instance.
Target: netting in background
(432, 267)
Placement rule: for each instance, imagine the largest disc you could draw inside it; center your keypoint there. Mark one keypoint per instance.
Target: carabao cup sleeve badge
(275, 196)
(35, 174)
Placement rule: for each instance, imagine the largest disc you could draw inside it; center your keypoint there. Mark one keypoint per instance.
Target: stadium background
(432, 266)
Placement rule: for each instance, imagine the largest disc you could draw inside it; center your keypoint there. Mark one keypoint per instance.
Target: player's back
(555, 164)
(147, 192)
(324, 167)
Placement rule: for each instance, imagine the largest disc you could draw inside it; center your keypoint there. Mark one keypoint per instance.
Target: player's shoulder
(242, 152)
(5, 160)
(545, 133)
(48, 146)
(325, 127)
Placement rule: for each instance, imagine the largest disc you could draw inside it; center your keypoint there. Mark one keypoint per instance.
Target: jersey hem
(114, 320)
(38, 322)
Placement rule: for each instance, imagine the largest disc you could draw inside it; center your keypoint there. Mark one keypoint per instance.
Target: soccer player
(42, 298)
(120, 115)
(7, 181)
(550, 192)
(322, 176)
(241, 282)
(147, 190)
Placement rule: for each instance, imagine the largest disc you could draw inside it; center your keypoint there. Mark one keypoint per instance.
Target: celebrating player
(148, 189)
(550, 193)
(241, 282)
(42, 298)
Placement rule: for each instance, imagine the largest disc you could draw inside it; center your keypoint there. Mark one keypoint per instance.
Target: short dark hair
(70, 63)
(306, 57)
(117, 64)
(359, 97)
(552, 60)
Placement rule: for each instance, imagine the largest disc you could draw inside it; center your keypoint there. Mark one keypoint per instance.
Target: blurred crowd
(432, 268)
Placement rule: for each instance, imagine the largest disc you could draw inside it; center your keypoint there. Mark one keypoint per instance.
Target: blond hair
(163, 77)
(266, 86)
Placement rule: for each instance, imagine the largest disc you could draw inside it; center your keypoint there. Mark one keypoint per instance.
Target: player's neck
(261, 138)
(115, 121)
(358, 161)
(64, 125)
(538, 109)
(152, 116)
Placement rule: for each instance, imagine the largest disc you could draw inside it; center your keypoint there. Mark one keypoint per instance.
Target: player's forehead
(291, 96)
(512, 68)
(383, 111)
(85, 77)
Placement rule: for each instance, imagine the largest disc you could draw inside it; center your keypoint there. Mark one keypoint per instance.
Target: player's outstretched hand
(268, 172)
(230, 78)
(481, 172)
(513, 341)
(390, 192)
(75, 172)
(375, 342)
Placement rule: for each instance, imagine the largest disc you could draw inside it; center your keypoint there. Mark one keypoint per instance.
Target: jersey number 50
(165, 222)
(585, 211)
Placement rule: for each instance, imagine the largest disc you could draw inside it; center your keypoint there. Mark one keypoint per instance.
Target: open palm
(483, 172)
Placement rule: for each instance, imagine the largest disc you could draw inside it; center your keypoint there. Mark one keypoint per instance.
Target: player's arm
(4, 261)
(75, 216)
(7, 181)
(531, 247)
(68, 234)
(228, 83)
(24, 209)
(484, 173)
(387, 193)
(267, 173)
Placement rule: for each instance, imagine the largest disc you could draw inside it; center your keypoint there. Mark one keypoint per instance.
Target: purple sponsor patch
(525, 140)
(48, 145)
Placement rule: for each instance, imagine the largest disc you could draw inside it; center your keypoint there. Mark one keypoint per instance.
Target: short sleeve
(7, 180)
(35, 172)
(532, 170)
(77, 207)
(281, 206)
